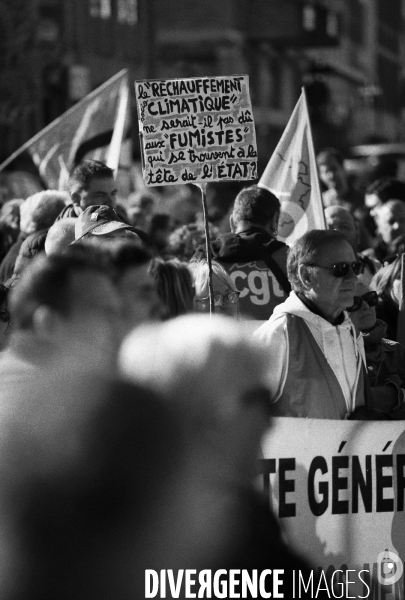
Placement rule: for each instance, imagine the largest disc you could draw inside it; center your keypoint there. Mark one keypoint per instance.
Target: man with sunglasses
(315, 359)
(341, 219)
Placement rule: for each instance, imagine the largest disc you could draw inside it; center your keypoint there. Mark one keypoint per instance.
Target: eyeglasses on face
(219, 299)
(371, 298)
(341, 269)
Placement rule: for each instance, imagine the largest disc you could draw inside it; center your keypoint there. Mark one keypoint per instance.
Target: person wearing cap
(92, 183)
(102, 221)
(316, 362)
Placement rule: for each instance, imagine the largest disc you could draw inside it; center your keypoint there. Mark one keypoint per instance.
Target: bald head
(214, 376)
(340, 219)
(201, 363)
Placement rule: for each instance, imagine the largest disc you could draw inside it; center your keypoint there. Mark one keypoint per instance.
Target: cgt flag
(94, 127)
(291, 175)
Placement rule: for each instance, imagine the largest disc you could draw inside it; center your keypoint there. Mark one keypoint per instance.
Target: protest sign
(196, 130)
(338, 487)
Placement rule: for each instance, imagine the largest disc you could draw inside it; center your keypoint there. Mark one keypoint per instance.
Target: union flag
(292, 176)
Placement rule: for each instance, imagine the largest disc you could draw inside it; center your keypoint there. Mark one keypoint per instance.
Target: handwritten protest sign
(338, 487)
(196, 130)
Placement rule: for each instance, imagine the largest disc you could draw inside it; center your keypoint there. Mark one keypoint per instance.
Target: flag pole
(401, 313)
(114, 151)
(203, 187)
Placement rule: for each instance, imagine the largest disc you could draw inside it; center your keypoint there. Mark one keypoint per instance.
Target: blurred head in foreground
(214, 375)
(65, 307)
(89, 469)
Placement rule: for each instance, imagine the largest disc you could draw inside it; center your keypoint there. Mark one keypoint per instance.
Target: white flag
(292, 176)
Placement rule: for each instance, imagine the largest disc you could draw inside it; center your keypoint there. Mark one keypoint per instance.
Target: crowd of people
(132, 380)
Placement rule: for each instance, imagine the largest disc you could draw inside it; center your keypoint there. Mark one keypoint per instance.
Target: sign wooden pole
(203, 187)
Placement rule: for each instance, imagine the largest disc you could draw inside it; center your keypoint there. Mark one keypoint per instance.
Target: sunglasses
(341, 269)
(219, 299)
(371, 298)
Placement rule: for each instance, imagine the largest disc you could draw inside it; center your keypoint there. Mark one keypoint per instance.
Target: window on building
(100, 8)
(127, 12)
(309, 18)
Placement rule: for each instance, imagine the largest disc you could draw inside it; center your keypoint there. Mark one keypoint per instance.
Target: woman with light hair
(174, 285)
(226, 296)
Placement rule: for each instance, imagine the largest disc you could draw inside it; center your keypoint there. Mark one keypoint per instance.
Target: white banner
(338, 489)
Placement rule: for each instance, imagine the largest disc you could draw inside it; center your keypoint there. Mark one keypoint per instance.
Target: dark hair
(328, 154)
(46, 282)
(126, 255)
(159, 221)
(4, 290)
(255, 205)
(85, 172)
(305, 250)
(184, 240)
(174, 284)
(387, 188)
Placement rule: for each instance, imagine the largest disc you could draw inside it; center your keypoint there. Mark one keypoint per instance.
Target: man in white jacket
(316, 361)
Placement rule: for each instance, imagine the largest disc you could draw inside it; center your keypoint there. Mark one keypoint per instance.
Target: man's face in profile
(139, 297)
(333, 175)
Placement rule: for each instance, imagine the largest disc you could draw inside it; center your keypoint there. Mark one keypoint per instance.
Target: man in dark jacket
(253, 257)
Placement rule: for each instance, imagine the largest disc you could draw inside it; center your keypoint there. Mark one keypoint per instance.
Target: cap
(98, 220)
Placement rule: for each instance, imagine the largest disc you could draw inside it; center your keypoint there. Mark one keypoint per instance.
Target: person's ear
(305, 276)
(75, 198)
(274, 223)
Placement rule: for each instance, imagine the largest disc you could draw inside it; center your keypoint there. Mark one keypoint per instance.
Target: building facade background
(349, 54)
